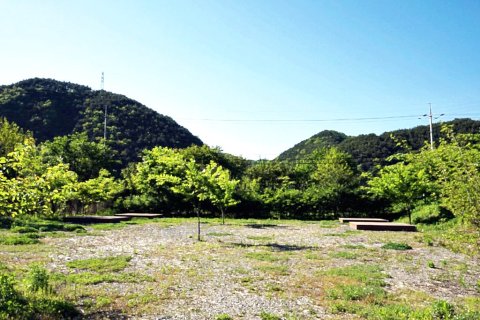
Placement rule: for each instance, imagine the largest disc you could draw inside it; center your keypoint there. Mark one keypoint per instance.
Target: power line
(327, 120)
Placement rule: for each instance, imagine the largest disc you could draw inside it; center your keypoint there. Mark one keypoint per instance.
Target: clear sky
(255, 77)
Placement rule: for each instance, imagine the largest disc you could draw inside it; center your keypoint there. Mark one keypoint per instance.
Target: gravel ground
(200, 280)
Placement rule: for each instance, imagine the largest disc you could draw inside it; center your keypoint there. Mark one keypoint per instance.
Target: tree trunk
(223, 215)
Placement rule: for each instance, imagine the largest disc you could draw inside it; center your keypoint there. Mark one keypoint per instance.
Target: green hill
(50, 108)
(371, 149)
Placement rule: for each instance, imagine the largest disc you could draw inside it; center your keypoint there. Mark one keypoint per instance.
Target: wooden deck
(345, 220)
(139, 215)
(382, 226)
(95, 219)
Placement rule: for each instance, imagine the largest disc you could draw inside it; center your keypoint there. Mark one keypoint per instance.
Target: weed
(219, 234)
(354, 246)
(356, 292)
(343, 255)
(431, 264)
(260, 238)
(279, 270)
(366, 274)
(38, 279)
(223, 316)
(344, 234)
(262, 256)
(101, 264)
(269, 316)
(396, 246)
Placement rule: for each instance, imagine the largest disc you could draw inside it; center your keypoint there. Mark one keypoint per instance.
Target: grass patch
(107, 264)
(263, 256)
(219, 234)
(344, 234)
(278, 270)
(396, 246)
(343, 255)
(90, 278)
(21, 239)
(353, 246)
(260, 238)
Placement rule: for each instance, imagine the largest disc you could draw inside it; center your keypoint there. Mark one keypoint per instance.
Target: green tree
(221, 187)
(85, 157)
(11, 135)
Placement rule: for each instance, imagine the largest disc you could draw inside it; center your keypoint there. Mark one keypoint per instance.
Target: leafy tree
(221, 187)
(403, 183)
(84, 157)
(11, 135)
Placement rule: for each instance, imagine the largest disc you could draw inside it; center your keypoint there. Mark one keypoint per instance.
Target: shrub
(396, 246)
(38, 279)
(12, 304)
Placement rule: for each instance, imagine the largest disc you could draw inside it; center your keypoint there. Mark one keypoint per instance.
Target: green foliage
(223, 316)
(38, 279)
(12, 303)
(107, 264)
(11, 135)
(23, 239)
(83, 156)
(15, 305)
(396, 246)
(268, 316)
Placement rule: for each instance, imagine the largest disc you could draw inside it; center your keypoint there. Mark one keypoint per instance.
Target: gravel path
(200, 280)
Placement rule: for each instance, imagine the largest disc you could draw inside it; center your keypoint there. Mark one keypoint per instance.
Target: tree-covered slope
(324, 139)
(368, 150)
(51, 108)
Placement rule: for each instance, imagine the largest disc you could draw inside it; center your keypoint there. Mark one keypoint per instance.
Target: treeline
(72, 174)
(371, 150)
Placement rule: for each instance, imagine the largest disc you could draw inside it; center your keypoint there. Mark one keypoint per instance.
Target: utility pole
(430, 118)
(105, 113)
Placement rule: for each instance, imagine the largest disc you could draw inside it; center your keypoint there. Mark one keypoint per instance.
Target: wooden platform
(139, 215)
(95, 219)
(382, 226)
(344, 220)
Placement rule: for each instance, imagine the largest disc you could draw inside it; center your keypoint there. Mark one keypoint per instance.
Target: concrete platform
(382, 226)
(139, 215)
(344, 220)
(95, 219)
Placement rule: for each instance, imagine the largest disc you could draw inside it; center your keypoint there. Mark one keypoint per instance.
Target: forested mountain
(50, 108)
(371, 149)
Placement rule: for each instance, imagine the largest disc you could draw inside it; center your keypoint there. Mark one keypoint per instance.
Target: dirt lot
(248, 270)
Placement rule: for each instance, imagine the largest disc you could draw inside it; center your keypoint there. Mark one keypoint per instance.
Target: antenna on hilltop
(103, 82)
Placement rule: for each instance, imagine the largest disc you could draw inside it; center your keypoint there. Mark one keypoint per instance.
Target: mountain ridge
(50, 108)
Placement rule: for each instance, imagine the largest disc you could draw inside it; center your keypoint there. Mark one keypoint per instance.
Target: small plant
(443, 310)
(38, 279)
(344, 255)
(12, 304)
(262, 256)
(268, 316)
(431, 264)
(223, 316)
(396, 246)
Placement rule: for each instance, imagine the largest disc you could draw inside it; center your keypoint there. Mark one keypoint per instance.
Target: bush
(396, 246)
(430, 214)
(12, 304)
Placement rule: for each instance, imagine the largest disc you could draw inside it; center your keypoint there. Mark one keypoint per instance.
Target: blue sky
(250, 76)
